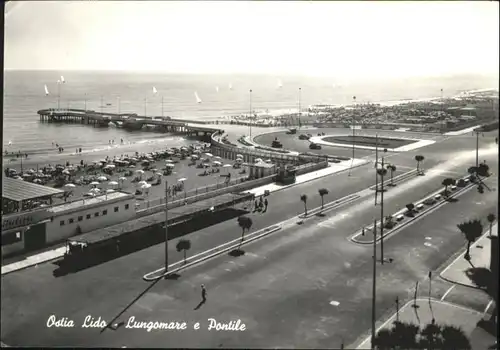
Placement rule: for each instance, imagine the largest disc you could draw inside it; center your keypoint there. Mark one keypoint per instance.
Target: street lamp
(353, 135)
(250, 115)
(382, 171)
(118, 100)
(166, 226)
(300, 109)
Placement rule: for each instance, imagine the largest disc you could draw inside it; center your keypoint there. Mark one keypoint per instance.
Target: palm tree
(491, 219)
(183, 245)
(472, 230)
(410, 208)
(454, 338)
(322, 192)
(392, 168)
(245, 223)
(483, 170)
(303, 198)
(419, 158)
(447, 182)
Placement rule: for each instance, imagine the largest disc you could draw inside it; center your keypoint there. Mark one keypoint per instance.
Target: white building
(38, 229)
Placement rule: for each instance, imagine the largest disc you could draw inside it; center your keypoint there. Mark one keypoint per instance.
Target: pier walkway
(126, 120)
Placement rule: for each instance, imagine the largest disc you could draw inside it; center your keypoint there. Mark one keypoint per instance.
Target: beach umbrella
(153, 170)
(110, 166)
(95, 190)
(239, 156)
(182, 179)
(102, 178)
(227, 166)
(258, 160)
(209, 154)
(206, 165)
(122, 178)
(146, 186)
(70, 185)
(94, 183)
(112, 183)
(30, 171)
(37, 181)
(142, 182)
(26, 175)
(269, 161)
(170, 165)
(159, 174)
(110, 191)
(169, 161)
(217, 162)
(131, 166)
(217, 157)
(140, 171)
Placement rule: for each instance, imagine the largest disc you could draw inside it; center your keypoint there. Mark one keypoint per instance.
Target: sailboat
(46, 91)
(154, 90)
(217, 88)
(62, 80)
(230, 86)
(198, 99)
(280, 84)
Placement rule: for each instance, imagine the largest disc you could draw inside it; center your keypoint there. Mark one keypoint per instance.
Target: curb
(421, 214)
(330, 206)
(31, 265)
(461, 255)
(266, 232)
(397, 179)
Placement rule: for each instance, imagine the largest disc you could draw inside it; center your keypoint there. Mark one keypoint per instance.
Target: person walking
(266, 203)
(203, 293)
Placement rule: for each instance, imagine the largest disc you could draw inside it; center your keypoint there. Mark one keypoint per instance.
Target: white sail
(62, 79)
(154, 90)
(230, 86)
(217, 88)
(46, 90)
(280, 84)
(198, 99)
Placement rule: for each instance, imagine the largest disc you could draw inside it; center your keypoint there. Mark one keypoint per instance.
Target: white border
(418, 143)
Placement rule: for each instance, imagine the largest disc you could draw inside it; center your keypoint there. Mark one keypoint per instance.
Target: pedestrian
(203, 293)
(266, 203)
(80, 149)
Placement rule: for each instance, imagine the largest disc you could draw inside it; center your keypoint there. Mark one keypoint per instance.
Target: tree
(472, 230)
(419, 158)
(183, 245)
(245, 223)
(454, 338)
(322, 192)
(447, 182)
(430, 337)
(384, 340)
(392, 168)
(405, 334)
(483, 170)
(491, 219)
(303, 198)
(410, 208)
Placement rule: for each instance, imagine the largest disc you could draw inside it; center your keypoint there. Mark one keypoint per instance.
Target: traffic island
(424, 312)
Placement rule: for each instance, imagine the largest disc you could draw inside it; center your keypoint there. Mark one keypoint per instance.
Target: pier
(130, 121)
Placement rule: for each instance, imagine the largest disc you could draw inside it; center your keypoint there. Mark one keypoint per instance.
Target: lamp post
(166, 226)
(353, 135)
(102, 103)
(300, 109)
(376, 163)
(118, 100)
(477, 150)
(374, 280)
(85, 102)
(145, 106)
(162, 106)
(58, 93)
(382, 171)
(250, 114)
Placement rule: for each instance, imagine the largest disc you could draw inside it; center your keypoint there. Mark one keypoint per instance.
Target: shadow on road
(236, 252)
(134, 241)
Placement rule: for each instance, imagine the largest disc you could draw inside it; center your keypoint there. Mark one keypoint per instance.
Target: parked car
(314, 146)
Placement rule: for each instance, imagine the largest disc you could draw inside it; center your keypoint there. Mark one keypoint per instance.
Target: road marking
(447, 292)
(488, 306)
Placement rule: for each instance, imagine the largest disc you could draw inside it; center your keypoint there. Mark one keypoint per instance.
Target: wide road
(281, 289)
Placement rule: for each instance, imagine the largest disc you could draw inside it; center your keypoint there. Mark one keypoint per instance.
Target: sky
(312, 38)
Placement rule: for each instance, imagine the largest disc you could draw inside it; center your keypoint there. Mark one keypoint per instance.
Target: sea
(221, 96)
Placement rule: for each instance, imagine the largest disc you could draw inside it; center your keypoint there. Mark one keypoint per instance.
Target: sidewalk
(480, 252)
(34, 260)
(333, 168)
(444, 314)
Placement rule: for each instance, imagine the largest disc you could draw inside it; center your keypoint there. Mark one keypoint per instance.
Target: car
(314, 146)
(303, 137)
(437, 197)
(419, 206)
(453, 188)
(430, 201)
(400, 217)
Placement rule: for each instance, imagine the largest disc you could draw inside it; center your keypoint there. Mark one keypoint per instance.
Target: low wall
(229, 189)
(308, 168)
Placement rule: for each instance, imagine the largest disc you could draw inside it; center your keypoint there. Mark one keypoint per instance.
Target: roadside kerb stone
(396, 179)
(226, 247)
(366, 239)
(330, 206)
